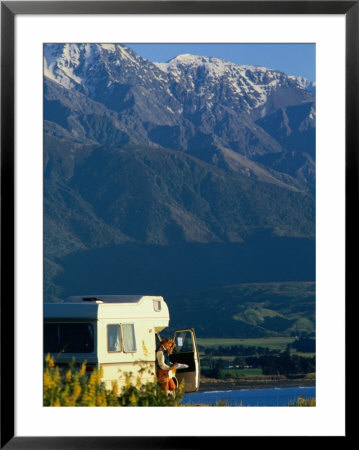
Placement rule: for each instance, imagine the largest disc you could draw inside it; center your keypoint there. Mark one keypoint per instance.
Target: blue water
(250, 397)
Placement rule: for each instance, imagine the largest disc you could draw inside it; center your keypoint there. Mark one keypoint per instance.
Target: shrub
(73, 387)
(303, 401)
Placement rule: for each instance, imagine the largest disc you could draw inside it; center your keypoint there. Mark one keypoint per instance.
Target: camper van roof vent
(92, 299)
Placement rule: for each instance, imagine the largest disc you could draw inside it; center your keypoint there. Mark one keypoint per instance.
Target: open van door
(186, 352)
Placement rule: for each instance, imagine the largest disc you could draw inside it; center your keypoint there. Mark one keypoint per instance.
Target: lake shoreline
(209, 384)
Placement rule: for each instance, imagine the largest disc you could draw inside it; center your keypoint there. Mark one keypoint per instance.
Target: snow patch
(109, 47)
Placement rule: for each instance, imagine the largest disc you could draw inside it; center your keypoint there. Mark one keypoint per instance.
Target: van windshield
(68, 338)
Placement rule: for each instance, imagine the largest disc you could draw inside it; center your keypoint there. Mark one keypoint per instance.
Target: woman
(164, 365)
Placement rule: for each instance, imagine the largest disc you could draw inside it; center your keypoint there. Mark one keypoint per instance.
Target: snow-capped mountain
(112, 75)
(192, 103)
(96, 69)
(81, 66)
(248, 89)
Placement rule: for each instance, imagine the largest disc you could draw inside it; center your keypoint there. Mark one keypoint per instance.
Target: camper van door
(186, 352)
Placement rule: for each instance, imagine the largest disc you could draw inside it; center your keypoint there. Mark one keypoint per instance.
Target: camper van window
(157, 306)
(68, 338)
(129, 340)
(114, 338)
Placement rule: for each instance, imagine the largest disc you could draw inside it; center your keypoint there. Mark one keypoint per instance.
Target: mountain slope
(170, 177)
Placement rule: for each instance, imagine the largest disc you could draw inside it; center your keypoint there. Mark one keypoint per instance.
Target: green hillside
(247, 310)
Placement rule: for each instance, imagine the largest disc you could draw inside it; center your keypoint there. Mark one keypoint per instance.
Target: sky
(292, 59)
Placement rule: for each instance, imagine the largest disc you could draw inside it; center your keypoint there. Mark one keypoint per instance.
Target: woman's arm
(161, 360)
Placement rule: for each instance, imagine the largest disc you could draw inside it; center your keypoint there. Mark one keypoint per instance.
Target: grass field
(273, 343)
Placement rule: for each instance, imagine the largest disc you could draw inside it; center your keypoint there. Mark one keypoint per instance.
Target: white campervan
(118, 333)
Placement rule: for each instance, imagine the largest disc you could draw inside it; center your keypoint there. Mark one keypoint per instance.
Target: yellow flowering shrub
(73, 387)
(303, 401)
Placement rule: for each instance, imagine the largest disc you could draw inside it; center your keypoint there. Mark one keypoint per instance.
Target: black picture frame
(9, 9)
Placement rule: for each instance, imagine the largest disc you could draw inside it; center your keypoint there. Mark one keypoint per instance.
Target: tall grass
(73, 387)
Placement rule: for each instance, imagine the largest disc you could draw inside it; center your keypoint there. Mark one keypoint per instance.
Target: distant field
(243, 372)
(273, 343)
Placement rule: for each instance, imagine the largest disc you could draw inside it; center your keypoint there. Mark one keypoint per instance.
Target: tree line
(302, 344)
(236, 350)
(271, 364)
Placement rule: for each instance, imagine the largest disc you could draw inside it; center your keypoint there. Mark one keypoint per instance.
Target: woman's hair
(169, 344)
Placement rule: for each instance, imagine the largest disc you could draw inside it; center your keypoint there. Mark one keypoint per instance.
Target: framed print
(197, 160)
